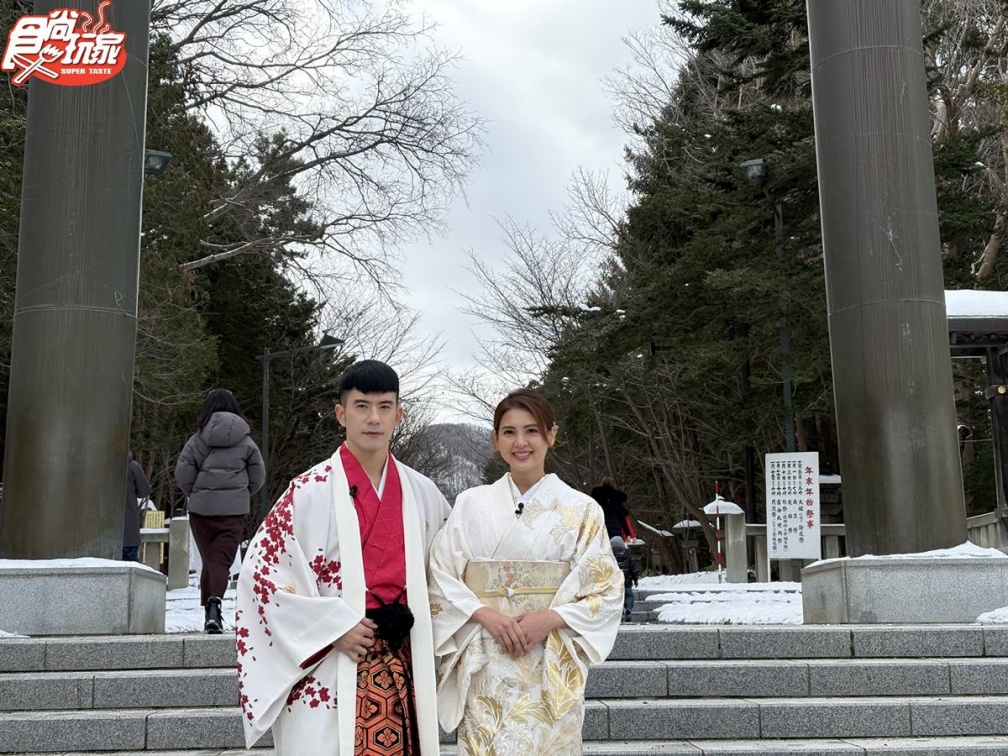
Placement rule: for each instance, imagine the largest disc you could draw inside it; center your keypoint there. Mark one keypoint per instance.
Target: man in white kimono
(335, 649)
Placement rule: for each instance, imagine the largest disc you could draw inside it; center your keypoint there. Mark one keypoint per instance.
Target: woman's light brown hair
(532, 402)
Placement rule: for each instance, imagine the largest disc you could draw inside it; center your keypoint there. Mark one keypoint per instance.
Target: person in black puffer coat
(219, 469)
(613, 503)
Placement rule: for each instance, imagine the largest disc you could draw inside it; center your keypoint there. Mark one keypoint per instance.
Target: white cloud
(534, 70)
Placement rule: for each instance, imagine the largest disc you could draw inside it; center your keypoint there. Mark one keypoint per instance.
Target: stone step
(634, 642)
(694, 642)
(130, 730)
(799, 679)
(196, 688)
(123, 689)
(605, 720)
(816, 718)
(116, 652)
(959, 746)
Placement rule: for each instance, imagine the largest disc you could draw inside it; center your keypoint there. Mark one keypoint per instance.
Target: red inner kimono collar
(383, 542)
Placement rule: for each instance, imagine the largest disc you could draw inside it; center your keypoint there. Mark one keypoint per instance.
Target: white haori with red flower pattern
(301, 587)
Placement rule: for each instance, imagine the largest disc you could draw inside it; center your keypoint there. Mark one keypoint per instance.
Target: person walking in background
(613, 503)
(630, 576)
(219, 469)
(137, 487)
(525, 594)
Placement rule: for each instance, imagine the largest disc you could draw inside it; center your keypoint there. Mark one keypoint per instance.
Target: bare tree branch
(372, 134)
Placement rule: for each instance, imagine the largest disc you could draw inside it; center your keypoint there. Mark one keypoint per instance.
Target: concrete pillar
(735, 546)
(75, 309)
(892, 372)
(178, 553)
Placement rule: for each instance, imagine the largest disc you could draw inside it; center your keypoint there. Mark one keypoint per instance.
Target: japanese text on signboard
(792, 495)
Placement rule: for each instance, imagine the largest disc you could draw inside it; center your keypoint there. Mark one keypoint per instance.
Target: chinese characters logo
(68, 47)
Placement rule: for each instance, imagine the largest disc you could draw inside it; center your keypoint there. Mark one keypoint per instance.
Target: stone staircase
(667, 689)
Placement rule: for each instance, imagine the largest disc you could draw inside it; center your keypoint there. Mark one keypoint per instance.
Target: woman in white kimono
(525, 594)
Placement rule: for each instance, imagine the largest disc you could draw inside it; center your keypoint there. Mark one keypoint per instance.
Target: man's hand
(537, 625)
(356, 641)
(503, 629)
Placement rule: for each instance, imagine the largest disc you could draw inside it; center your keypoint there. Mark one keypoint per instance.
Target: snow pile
(662, 582)
(731, 604)
(65, 564)
(966, 550)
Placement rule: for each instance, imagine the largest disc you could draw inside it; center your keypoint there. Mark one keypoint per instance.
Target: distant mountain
(468, 447)
(453, 455)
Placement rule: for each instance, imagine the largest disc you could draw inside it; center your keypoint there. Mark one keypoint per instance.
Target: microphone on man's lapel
(521, 508)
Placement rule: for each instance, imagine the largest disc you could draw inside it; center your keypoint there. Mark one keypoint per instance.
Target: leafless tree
(530, 301)
(374, 327)
(646, 85)
(360, 107)
(969, 59)
(663, 63)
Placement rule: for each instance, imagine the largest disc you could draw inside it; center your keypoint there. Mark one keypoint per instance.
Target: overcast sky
(533, 69)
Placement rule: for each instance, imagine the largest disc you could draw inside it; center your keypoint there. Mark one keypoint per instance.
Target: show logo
(68, 47)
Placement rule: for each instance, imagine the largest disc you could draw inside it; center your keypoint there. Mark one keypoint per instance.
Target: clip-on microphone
(521, 508)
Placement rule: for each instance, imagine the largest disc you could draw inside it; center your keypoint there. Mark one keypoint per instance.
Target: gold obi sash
(515, 587)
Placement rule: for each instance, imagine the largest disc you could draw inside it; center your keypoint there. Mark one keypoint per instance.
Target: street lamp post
(756, 174)
(327, 342)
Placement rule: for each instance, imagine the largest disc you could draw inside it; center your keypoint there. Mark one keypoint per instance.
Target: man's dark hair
(368, 377)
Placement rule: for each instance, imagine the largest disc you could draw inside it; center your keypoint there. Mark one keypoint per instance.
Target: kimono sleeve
(451, 605)
(452, 602)
(283, 623)
(590, 599)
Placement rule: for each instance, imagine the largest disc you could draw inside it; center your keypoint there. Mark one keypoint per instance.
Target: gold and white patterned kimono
(555, 554)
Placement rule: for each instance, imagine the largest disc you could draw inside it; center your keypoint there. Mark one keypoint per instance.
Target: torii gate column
(892, 374)
(75, 308)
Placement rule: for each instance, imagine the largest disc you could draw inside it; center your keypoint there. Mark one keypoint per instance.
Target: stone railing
(831, 535)
(987, 530)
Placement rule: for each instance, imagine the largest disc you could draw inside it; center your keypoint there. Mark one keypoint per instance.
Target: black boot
(214, 621)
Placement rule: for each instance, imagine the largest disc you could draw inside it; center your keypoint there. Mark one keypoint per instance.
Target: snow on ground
(996, 617)
(64, 564)
(698, 599)
(183, 613)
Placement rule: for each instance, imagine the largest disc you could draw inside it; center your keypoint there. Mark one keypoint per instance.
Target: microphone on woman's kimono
(353, 492)
(521, 508)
